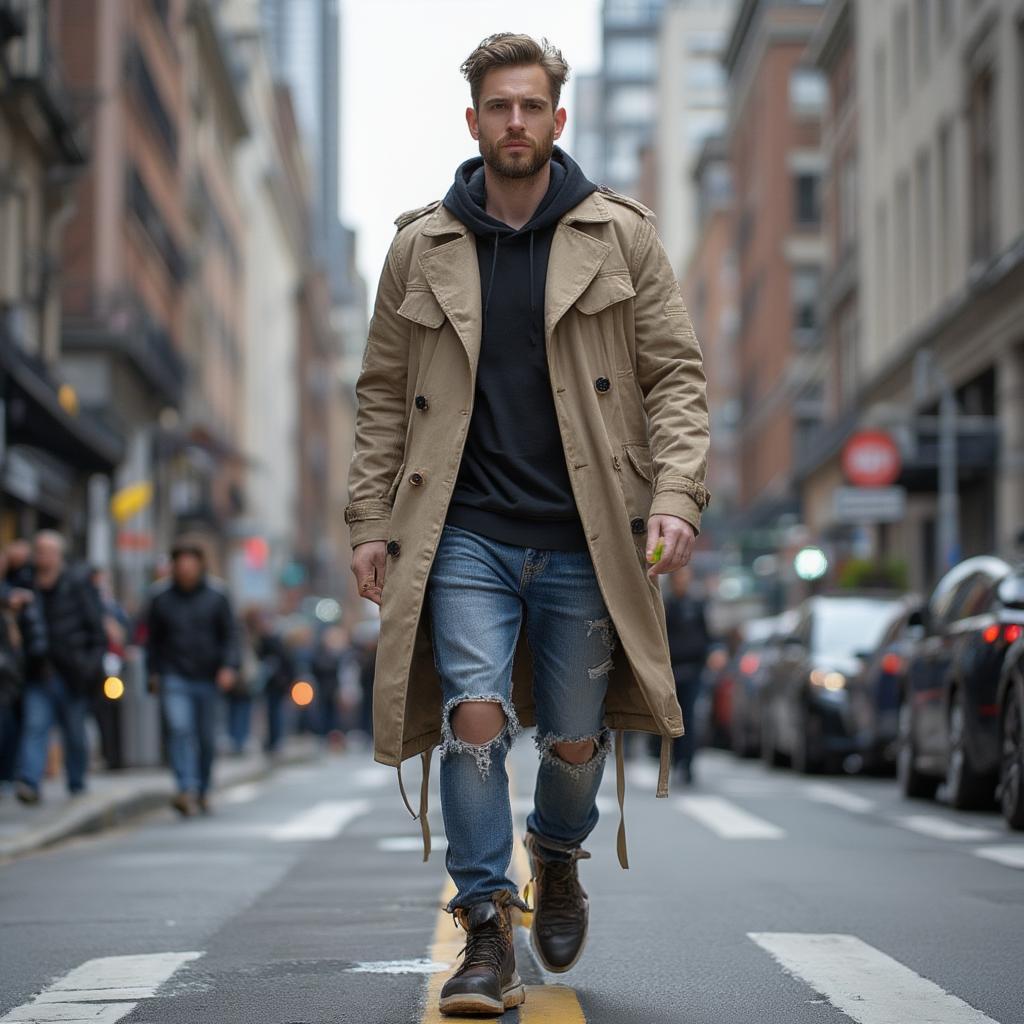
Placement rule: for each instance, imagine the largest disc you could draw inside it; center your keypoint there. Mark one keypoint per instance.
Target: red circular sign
(871, 459)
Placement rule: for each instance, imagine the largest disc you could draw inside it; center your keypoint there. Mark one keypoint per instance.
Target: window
(703, 76)
(631, 104)
(805, 283)
(922, 38)
(632, 58)
(945, 223)
(632, 12)
(700, 125)
(901, 58)
(923, 254)
(808, 92)
(881, 92)
(705, 41)
(807, 199)
(982, 131)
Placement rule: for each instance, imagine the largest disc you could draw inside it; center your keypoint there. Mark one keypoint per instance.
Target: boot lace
(562, 894)
(485, 947)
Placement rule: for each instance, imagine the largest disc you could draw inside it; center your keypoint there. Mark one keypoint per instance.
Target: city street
(756, 896)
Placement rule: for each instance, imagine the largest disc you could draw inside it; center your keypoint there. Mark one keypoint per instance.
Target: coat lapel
(452, 271)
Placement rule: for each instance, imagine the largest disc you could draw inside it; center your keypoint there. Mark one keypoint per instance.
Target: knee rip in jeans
(481, 752)
(602, 747)
(606, 628)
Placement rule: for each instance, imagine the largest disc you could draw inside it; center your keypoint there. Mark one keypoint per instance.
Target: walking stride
(532, 426)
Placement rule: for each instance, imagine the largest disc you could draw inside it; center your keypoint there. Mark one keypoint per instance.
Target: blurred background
(196, 196)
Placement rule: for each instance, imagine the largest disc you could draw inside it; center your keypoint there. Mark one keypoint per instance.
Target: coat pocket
(639, 456)
(393, 490)
(421, 307)
(604, 291)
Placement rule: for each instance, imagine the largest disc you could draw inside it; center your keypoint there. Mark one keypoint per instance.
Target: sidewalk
(115, 797)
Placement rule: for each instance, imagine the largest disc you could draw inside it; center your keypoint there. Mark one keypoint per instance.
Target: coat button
(602, 384)
(636, 525)
(421, 402)
(394, 548)
(416, 479)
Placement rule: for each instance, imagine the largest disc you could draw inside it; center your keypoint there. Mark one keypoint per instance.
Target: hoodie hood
(467, 200)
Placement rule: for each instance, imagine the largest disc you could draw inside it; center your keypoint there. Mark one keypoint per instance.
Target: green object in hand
(659, 548)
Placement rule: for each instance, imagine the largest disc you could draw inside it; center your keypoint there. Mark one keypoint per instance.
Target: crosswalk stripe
(100, 991)
(726, 819)
(409, 844)
(864, 983)
(243, 794)
(823, 793)
(324, 820)
(942, 828)
(1010, 856)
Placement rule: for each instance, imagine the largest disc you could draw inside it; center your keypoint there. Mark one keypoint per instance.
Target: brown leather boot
(561, 910)
(487, 982)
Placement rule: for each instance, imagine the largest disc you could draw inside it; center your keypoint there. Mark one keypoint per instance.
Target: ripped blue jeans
(480, 593)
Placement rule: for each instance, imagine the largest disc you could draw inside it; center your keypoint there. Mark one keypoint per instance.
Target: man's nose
(516, 119)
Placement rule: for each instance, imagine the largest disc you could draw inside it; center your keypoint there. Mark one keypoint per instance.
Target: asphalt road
(755, 897)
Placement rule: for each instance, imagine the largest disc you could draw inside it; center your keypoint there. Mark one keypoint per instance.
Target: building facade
(939, 272)
(779, 249)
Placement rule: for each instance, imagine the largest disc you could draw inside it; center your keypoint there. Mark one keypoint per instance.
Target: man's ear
(474, 124)
(559, 122)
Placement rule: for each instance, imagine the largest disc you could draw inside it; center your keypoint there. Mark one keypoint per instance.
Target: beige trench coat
(634, 449)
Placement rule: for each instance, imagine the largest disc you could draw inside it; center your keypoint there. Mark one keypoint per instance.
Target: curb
(90, 813)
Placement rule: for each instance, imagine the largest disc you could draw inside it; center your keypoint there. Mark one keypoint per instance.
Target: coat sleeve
(381, 416)
(671, 376)
(230, 640)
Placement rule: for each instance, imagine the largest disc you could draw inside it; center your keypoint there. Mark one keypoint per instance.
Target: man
(532, 425)
(192, 654)
(59, 686)
(276, 672)
(688, 642)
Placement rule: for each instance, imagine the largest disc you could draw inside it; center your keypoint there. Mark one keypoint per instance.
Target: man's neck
(514, 201)
(47, 580)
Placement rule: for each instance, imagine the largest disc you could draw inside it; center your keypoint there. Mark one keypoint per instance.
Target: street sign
(871, 459)
(870, 504)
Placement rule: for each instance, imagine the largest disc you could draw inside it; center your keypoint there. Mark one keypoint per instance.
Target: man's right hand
(368, 565)
(154, 685)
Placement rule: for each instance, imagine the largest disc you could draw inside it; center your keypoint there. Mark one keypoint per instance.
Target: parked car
(877, 693)
(748, 671)
(950, 725)
(806, 710)
(1011, 731)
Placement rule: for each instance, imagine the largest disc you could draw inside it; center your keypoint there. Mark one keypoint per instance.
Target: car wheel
(1011, 771)
(913, 784)
(965, 788)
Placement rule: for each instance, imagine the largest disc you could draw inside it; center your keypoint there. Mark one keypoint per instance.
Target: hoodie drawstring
(490, 284)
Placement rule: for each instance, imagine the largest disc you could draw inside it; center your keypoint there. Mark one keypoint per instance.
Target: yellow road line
(545, 1004)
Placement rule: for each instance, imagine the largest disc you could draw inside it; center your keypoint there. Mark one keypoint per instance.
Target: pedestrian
(330, 655)
(22, 648)
(60, 686)
(688, 642)
(528, 332)
(276, 673)
(192, 656)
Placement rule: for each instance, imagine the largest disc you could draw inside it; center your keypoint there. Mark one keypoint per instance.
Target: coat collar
(453, 274)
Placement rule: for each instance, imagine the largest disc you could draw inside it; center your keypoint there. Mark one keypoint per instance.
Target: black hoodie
(513, 485)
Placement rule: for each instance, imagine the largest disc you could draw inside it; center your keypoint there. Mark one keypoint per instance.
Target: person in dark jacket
(59, 685)
(192, 655)
(22, 646)
(688, 643)
(276, 672)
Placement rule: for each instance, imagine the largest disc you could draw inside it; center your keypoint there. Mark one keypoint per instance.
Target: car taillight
(749, 664)
(892, 664)
(1011, 634)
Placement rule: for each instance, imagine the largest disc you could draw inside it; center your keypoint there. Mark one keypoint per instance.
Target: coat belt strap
(424, 794)
(665, 765)
(620, 788)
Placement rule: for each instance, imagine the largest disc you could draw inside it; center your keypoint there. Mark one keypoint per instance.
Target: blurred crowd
(223, 680)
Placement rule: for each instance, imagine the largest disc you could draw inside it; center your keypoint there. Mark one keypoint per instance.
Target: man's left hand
(679, 539)
(226, 679)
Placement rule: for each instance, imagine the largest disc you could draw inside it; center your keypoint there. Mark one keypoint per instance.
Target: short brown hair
(509, 50)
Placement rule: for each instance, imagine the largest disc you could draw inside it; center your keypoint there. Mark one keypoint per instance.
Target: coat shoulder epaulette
(410, 215)
(633, 204)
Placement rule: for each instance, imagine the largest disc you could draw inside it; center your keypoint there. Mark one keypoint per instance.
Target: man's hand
(18, 598)
(678, 538)
(154, 684)
(368, 565)
(226, 679)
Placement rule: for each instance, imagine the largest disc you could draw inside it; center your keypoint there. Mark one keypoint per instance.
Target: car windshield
(850, 626)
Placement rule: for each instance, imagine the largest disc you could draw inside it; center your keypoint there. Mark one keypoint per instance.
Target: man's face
(187, 569)
(516, 124)
(47, 555)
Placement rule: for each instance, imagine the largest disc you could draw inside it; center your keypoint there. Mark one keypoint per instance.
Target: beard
(517, 165)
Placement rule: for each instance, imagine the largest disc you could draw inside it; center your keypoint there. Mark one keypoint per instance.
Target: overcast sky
(404, 99)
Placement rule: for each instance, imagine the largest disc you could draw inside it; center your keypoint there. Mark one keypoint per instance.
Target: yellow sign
(130, 500)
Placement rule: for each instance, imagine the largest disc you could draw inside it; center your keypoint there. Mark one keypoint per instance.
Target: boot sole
(470, 1005)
